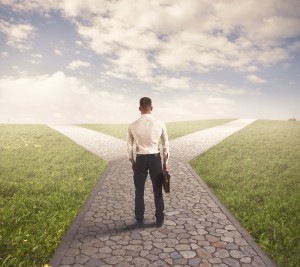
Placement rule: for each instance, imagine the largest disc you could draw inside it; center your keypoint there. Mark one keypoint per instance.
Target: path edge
(263, 255)
(69, 235)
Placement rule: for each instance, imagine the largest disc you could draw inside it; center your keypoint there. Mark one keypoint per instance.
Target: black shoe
(139, 223)
(159, 222)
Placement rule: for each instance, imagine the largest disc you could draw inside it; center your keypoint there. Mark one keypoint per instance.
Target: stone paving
(105, 146)
(198, 229)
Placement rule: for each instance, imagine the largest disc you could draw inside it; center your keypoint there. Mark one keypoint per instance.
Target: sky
(72, 61)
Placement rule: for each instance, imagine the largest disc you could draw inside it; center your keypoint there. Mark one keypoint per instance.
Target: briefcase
(166, 181)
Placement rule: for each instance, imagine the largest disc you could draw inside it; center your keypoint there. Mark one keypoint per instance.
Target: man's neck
(146, 112)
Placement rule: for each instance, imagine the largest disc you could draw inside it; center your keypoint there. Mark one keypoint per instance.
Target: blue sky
(66, 61)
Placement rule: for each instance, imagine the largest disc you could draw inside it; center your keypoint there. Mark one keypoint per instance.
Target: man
(147, 132)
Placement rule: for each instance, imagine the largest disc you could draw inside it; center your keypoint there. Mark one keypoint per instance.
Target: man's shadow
(127, 228)
(135, 226)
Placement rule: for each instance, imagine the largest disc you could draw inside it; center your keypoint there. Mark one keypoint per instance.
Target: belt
(145, 155)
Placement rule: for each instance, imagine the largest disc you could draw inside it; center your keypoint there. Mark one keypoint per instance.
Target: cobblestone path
(105, 146)
(189, 146)
(198, 229)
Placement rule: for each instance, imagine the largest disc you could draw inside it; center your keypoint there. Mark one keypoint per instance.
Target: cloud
(172, 83)
(57, 98)
(221, 89)
(58, 116)
(219, 101)
(130, 64)
(185, 36)
(4, 54)
(17, 35)
(76, 64)
(78, 8)
(57, 52)
(295, 46)
(36, 59)
(78, 42)
(176, 36)
(194, 106)
(255, 79)
(277, 27)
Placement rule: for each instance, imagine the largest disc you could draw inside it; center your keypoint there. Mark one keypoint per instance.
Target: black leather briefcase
(166, 181)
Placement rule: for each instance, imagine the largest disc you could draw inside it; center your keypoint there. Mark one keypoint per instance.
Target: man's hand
(165, 166)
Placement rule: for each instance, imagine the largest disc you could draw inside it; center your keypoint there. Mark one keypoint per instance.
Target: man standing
(147, 132)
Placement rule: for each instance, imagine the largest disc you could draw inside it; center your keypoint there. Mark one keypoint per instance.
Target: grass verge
(116, 130)
(255, 173)
(175, 129)
(44, 180)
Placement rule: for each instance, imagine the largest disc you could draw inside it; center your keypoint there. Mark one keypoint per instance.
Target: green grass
(44, 180)
(256, 174)
(175, 129)
(116, 130)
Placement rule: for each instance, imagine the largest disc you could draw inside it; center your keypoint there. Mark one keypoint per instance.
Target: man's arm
(130, 140)
(165, 146)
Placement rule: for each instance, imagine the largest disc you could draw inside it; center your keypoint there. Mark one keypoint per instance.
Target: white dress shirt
(147, 132)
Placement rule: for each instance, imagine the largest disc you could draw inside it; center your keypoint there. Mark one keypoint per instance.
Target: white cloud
(220, 89)
(78, 42)
(130, 64)
(29, 5)
(18, 35)
(36, 59)
(181, 35)
(57, 52)
(4, 54)
(75, 64)
(83, 8)
(189, 35)
(255, 79)
(35, 97)
(194, 106)
(171, 83)
(280, 27)
(58, 116)
(295, 47)
(219, 101)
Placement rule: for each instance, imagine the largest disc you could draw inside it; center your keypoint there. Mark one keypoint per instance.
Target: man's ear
(151, 108)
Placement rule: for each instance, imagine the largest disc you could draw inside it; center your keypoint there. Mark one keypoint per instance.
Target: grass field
(44, 180)
(175, 129)
(256, 174)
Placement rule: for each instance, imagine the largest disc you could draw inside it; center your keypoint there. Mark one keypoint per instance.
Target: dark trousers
(143, 164)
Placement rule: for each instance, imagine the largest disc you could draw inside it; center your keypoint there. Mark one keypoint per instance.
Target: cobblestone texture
(196, 231)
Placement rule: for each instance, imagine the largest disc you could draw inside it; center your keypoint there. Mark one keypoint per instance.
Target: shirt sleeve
(130, 140)
(165, 144)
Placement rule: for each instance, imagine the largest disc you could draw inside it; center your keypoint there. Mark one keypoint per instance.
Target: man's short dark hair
(145, 103)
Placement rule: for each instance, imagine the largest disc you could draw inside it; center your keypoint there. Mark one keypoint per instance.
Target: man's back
(147, 132)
